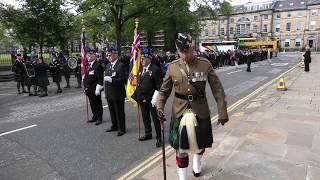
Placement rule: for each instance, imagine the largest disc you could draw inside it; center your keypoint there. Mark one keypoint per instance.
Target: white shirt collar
(114, 62)
(147, 67)
(92, 63)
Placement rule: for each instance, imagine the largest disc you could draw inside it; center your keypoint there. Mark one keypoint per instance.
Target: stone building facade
(295, 23)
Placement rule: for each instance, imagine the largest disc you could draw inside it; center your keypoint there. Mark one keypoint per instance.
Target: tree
(41, 22)
(119, 12)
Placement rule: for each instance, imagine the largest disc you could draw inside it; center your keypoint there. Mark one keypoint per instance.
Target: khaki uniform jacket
(200, 72)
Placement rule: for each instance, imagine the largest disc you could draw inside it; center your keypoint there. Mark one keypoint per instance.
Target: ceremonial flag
(134, 66)
(83, 56)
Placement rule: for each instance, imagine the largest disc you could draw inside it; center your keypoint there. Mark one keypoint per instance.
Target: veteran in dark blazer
(115, 79)
(147, 90)
(93, 85)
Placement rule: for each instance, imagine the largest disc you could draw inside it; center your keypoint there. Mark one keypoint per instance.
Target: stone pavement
(275, 135)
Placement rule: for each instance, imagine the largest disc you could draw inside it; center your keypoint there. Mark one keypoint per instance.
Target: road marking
(108, 105)
(169, 150)
(6, 94)
(279, 64)
(234, 72)
(16, 130)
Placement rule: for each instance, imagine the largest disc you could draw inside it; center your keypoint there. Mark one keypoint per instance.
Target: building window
(213, 32)
(300, 14)
(278, 16)
(222, 31)
(265, 28)
(206, 33)
(289, 14)
(255, 28)
(288, 27)
(231, 30)
(222, 21)
(232, 20)
(287, 43)
(299, 26)
(255, 18)
(277, 27)
(243, 28)
(265, 16)
(313, 12)
(313, 25)
(298, 42)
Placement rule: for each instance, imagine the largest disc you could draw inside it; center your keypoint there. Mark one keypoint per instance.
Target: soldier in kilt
(55, 69)
(19, 76)
(77, 72)
(190, 126)
(42, 76)
(65, 69)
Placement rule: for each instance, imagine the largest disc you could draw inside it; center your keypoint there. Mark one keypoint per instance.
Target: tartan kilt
(43, 81)
(56, 77)
(203, 132)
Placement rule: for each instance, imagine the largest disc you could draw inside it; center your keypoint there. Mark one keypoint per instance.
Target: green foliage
(40, 22)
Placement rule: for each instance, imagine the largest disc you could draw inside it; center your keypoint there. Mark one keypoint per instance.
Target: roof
(290, 5)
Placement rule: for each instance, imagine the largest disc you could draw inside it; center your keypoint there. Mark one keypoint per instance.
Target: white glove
(154, 98)
(98, 89)
(108, 79)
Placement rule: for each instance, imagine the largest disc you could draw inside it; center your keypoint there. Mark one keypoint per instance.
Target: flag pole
(83, 65)
(138, 109)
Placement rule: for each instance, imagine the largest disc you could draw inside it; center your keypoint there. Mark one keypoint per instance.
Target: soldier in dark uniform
(65, 69)
(55, 69)
(115, 79)
(30, 76)
(249, 57)
(93, 85)
(188, 76)
(18, 70)
(42, 76)
(146, 92)
(77, 71)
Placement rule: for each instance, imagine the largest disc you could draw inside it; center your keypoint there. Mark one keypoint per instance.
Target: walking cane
(163, 151)
(87, 108)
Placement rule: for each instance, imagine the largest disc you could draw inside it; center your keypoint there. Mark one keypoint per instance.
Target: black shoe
(196, 174)
(30, 94)
(66, 87)
(98, 123)
(112, 129)
(158, 143)
(120, 133)
(24, 91)
(79, 87)
(91, 121)
(145, 137)
(42, 95)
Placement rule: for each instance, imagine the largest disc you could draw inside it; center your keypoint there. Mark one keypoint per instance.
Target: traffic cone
(282, 85)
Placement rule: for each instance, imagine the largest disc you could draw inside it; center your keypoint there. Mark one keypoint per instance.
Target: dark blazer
(307, 56)
(93, 76)
(116, 89)
(149, 82)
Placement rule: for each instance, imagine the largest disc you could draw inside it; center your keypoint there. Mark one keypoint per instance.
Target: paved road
(61, 145)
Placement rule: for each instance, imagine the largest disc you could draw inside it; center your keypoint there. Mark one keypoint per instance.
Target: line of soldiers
(33, 72)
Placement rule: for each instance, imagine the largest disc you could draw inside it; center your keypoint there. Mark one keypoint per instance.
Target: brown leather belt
(189, 97)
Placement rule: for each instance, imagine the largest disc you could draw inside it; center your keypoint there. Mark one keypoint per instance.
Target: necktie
(144, 71)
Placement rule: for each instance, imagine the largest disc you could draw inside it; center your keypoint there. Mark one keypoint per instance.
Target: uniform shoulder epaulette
(203, 59)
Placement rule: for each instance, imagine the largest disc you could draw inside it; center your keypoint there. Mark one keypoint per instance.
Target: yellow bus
(254, 43)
